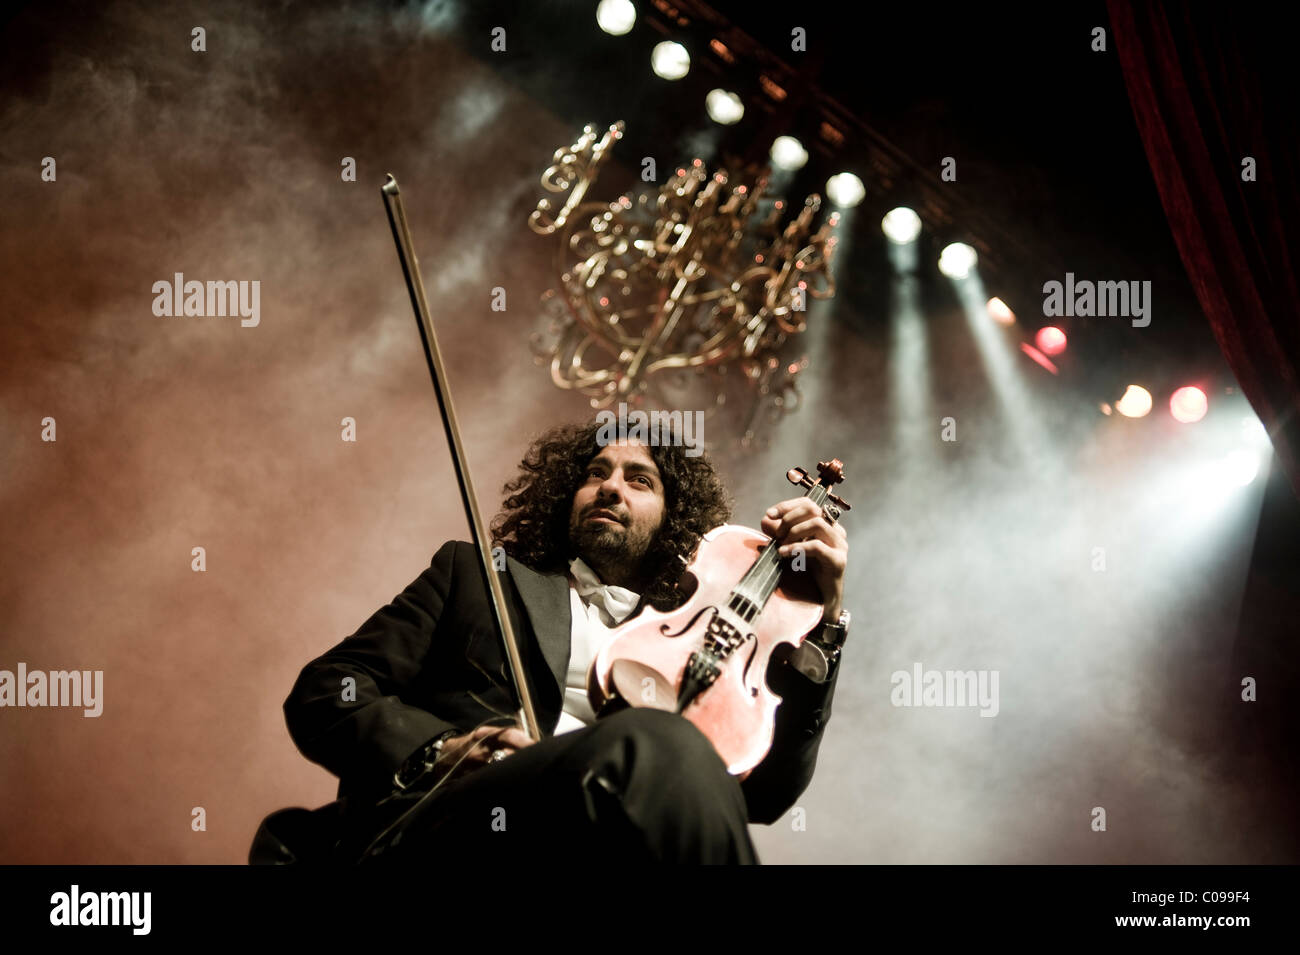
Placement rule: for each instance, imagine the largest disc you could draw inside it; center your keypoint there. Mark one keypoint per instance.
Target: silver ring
(497, 755)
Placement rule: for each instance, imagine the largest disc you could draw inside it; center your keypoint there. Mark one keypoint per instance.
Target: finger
(802, 524)
(779, 518)
(810, 528)
(474, 747)
(467, 748)
(819, 553)
(489, 738)
(780, 507)
(516, 739)
(813, 528)
(492, 733)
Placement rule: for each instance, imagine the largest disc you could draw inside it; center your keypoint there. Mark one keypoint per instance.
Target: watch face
(810, 660)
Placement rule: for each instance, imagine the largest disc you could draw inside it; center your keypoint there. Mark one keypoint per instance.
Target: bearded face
(617, 512)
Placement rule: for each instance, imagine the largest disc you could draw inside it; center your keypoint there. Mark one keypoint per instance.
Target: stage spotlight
(788, 153)
(725, 108)
(1240, 467)
(670, 60)
(1039, 358)
(1000, 312)
(771, 88)
(845, 190)
(1188, 404)
(832, 134)
(901, 225)
(615, 16)
(1136, 402)
(1254, 433)
(724, 54)
(1050, 340)
(957, 260)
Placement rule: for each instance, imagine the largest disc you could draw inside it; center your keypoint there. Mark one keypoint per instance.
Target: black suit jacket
(432, 661)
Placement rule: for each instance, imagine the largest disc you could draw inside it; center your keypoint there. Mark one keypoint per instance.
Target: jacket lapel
(546, 600)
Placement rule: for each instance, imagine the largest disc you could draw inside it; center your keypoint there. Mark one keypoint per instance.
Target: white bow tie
(618, 602)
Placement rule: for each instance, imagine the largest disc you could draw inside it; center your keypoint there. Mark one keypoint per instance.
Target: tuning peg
(831, 470)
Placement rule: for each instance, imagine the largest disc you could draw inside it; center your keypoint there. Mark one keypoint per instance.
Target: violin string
(768, 576)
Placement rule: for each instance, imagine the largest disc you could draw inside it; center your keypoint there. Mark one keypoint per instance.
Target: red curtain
(1210, 86)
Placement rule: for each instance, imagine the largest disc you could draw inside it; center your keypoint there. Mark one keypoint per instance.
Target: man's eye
(647, 481)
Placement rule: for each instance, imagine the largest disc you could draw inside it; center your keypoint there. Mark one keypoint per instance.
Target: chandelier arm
(712, 351)
(701, 359)
(584, 316)
(575, 377)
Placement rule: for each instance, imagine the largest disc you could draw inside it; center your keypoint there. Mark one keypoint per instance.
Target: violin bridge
(722, 636)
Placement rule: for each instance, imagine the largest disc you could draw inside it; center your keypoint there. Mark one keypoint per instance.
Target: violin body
(650, 657)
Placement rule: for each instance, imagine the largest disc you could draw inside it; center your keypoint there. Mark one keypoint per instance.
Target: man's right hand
(477, 747)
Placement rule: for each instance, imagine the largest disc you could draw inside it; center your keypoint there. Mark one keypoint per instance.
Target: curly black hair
(533, 525)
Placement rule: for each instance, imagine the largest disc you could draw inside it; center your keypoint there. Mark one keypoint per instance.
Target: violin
(707, 660)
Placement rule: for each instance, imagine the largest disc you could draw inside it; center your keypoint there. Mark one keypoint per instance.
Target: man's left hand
(799, 523)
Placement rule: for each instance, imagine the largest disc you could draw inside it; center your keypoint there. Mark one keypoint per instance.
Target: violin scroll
(832, 472)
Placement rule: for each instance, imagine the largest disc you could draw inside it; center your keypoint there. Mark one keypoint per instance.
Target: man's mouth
(603, 515)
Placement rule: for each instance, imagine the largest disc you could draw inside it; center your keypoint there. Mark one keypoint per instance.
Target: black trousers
(640, 785)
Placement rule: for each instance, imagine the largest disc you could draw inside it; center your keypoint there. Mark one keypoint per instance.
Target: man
(414, 712)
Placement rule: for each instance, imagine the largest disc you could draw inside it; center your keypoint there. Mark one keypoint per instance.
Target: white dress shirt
(597, 609)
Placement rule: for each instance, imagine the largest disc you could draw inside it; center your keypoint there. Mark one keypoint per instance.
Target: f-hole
(753, 649)
(690, 625)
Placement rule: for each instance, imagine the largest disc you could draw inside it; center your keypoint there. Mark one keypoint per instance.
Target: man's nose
(610, 489)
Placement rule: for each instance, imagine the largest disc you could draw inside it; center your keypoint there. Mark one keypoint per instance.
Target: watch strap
(421, 761)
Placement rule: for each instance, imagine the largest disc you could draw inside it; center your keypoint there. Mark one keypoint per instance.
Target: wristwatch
(421, 761)
(817, 657)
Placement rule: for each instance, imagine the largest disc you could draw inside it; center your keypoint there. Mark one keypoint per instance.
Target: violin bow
(415, 285)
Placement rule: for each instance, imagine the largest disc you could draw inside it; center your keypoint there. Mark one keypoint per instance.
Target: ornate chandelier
(686, 279)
